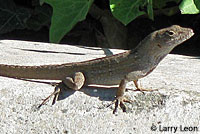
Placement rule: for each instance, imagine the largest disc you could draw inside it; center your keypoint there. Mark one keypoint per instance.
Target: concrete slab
(175, 104)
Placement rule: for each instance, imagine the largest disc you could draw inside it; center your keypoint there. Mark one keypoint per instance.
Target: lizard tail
(48, 72)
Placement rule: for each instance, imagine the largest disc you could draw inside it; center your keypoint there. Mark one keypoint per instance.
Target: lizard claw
(55, 94)
(144, 90)
(119, 101)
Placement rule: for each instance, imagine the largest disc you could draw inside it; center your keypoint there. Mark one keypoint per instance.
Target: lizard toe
(55, 94)
(119, 101)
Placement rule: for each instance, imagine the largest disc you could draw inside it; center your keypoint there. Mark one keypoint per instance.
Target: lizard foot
(119, 101)
(142, 90)
(55, 94)
(148, 90)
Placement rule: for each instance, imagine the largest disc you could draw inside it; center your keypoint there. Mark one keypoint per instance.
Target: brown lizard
(112, 70)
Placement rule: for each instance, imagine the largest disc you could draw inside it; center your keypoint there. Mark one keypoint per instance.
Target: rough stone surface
(175, 104)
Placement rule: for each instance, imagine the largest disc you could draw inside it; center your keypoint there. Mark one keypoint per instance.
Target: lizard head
(160, 43)
(172, 36)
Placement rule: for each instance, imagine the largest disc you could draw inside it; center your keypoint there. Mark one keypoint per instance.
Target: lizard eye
(170, 33)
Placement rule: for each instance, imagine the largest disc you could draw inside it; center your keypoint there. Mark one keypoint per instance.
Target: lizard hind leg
(55, 94)
(75, 83)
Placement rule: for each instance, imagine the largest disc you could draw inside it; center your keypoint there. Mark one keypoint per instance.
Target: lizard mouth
(186, 35)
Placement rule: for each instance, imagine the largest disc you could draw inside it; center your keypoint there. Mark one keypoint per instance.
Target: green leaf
(41, 16)
(12, 17)
(197, 3)
(162, 3)
(150, 9)
(126, 10)
(66, 13)
(188, 7)
(41, 2)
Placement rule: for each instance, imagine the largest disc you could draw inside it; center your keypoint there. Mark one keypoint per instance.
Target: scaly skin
(117, 69)
(109, 70)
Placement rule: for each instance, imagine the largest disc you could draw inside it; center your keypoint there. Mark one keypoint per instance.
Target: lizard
(118, 69)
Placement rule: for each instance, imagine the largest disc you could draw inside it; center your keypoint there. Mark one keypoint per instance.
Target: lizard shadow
(64, 92)
(103, 93)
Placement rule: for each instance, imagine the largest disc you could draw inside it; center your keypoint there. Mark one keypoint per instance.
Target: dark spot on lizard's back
(159, 45)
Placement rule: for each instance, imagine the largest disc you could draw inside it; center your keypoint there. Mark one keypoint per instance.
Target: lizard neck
(145, 58)
(152, 51)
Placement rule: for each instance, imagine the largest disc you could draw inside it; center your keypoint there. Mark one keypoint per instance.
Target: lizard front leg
(75, 82)
(120, 98)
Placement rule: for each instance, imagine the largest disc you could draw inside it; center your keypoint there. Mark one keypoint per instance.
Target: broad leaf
(66, 13)
(197, 3)
(188, 7)
(126, 10)
(150, 9)
(162, 3)
(41, 16)
(12, 17)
